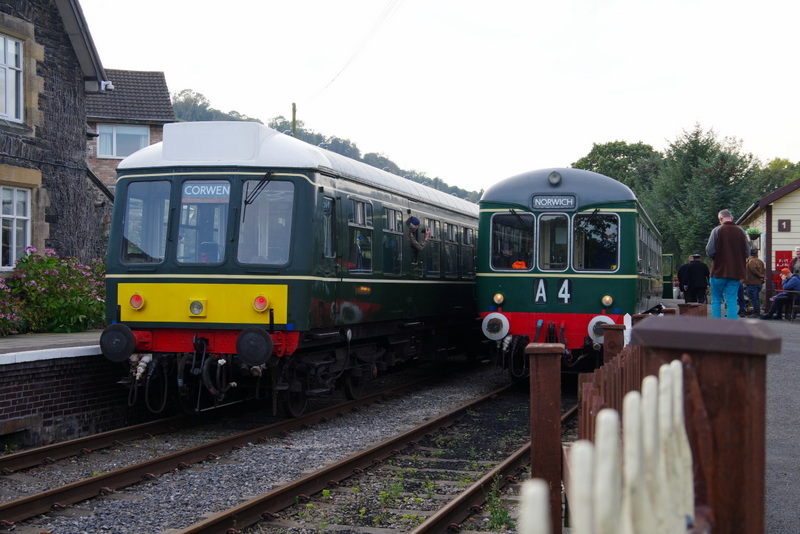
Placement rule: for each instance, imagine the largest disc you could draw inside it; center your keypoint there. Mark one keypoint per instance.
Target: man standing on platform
(696, 274)
(728, 248)
(754, 280)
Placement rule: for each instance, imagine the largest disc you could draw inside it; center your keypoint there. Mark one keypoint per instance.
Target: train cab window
(595, 242)
(512, 241)
(203, 221)
(433, 248)
(553, 242)
(393, 242)
(450, 250)
(360, 236)
(265, 228)
(144, 227)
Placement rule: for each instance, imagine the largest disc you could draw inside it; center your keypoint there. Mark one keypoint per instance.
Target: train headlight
(595, 330)
(260, 303)
(554, 178)
(495, 326)
(607, 300)
(197, 308)
(498, 298)
(136, 301)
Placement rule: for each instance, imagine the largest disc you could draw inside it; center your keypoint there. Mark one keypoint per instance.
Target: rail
(724, 398)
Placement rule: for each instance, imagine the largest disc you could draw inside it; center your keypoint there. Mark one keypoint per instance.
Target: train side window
(553, 242)
(450, 250)
(203, 221)
(595, 242)
(467, 253)
(265, 228)
(360, 230)
(144, 228)
(329, 230)
(512, 241)
(393, 243)
(433, 248)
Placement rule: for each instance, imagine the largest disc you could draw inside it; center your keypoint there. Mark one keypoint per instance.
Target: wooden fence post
(545, 369)
(613, 340)
(729, 360)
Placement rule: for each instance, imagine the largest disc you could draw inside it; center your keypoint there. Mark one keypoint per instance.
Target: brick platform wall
(45, 401)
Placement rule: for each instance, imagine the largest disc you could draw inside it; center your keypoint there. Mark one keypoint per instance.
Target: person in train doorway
(412, 234)
(695, 275)
(791, 282)
(728, 248)
(754, 281)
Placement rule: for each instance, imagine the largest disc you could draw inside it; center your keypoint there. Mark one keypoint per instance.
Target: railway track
(435, 478)
(14, 512)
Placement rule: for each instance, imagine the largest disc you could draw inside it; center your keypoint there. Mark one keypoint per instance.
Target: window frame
(114, 145)
(16, 82)
(15, 250)
(360, 227)
(393, 230)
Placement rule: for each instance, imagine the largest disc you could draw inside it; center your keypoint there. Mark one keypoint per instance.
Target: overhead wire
(385, 16)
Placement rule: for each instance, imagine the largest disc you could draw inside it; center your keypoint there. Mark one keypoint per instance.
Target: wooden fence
(724, 400)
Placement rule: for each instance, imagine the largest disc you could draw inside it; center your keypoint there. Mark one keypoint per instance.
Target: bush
(9, 320)
(53, 294)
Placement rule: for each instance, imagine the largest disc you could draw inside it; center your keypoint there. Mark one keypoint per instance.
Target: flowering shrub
(9, 320)
(52, 294)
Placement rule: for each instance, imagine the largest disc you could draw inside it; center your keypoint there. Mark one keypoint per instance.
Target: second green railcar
(562, 252)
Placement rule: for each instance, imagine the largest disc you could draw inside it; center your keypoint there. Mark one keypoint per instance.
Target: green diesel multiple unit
(240, 257)
(562, 251)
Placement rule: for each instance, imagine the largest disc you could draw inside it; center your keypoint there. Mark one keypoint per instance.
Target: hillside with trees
(192, 106)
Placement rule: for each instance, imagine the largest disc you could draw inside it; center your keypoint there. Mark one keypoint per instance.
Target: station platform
(32, 347)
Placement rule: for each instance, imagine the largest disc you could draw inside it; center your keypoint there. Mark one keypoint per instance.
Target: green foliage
(53, 294)
(631, 164)
(684, 188)
(9, 319)
(191, 106)
(499, 518)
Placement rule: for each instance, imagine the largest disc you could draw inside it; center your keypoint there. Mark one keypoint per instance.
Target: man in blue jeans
(728, 247)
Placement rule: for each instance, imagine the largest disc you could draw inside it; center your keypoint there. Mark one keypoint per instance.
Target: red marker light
(137, 302)
(260, 303)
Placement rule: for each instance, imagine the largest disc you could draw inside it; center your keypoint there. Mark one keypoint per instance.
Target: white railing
(638, 481)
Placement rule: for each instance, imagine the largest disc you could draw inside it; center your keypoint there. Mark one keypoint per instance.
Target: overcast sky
(473, 92)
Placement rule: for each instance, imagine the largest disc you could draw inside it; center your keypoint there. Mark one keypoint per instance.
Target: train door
(668, 269)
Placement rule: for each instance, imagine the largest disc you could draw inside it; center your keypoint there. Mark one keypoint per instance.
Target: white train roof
(250, 144)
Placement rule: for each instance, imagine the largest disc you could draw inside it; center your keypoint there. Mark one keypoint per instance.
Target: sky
(476, 91)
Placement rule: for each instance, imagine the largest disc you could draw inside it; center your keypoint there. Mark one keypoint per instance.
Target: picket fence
(688, 387)
(644, 485)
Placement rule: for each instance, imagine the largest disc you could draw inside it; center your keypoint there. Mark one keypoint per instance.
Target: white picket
(645, 488)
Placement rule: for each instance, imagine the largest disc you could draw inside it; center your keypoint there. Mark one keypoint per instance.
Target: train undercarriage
(325, 362)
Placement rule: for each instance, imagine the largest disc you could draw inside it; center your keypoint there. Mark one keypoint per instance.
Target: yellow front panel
(168, 302)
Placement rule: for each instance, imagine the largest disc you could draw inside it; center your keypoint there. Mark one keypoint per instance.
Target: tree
(191, 106)
(777, 173)
(631, 164)
(700, 175)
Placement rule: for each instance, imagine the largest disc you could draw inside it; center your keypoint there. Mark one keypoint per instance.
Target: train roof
(251, 144)
(588, 187)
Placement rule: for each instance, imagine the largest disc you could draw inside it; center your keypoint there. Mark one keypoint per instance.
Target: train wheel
(352, 385)
(294, 402)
